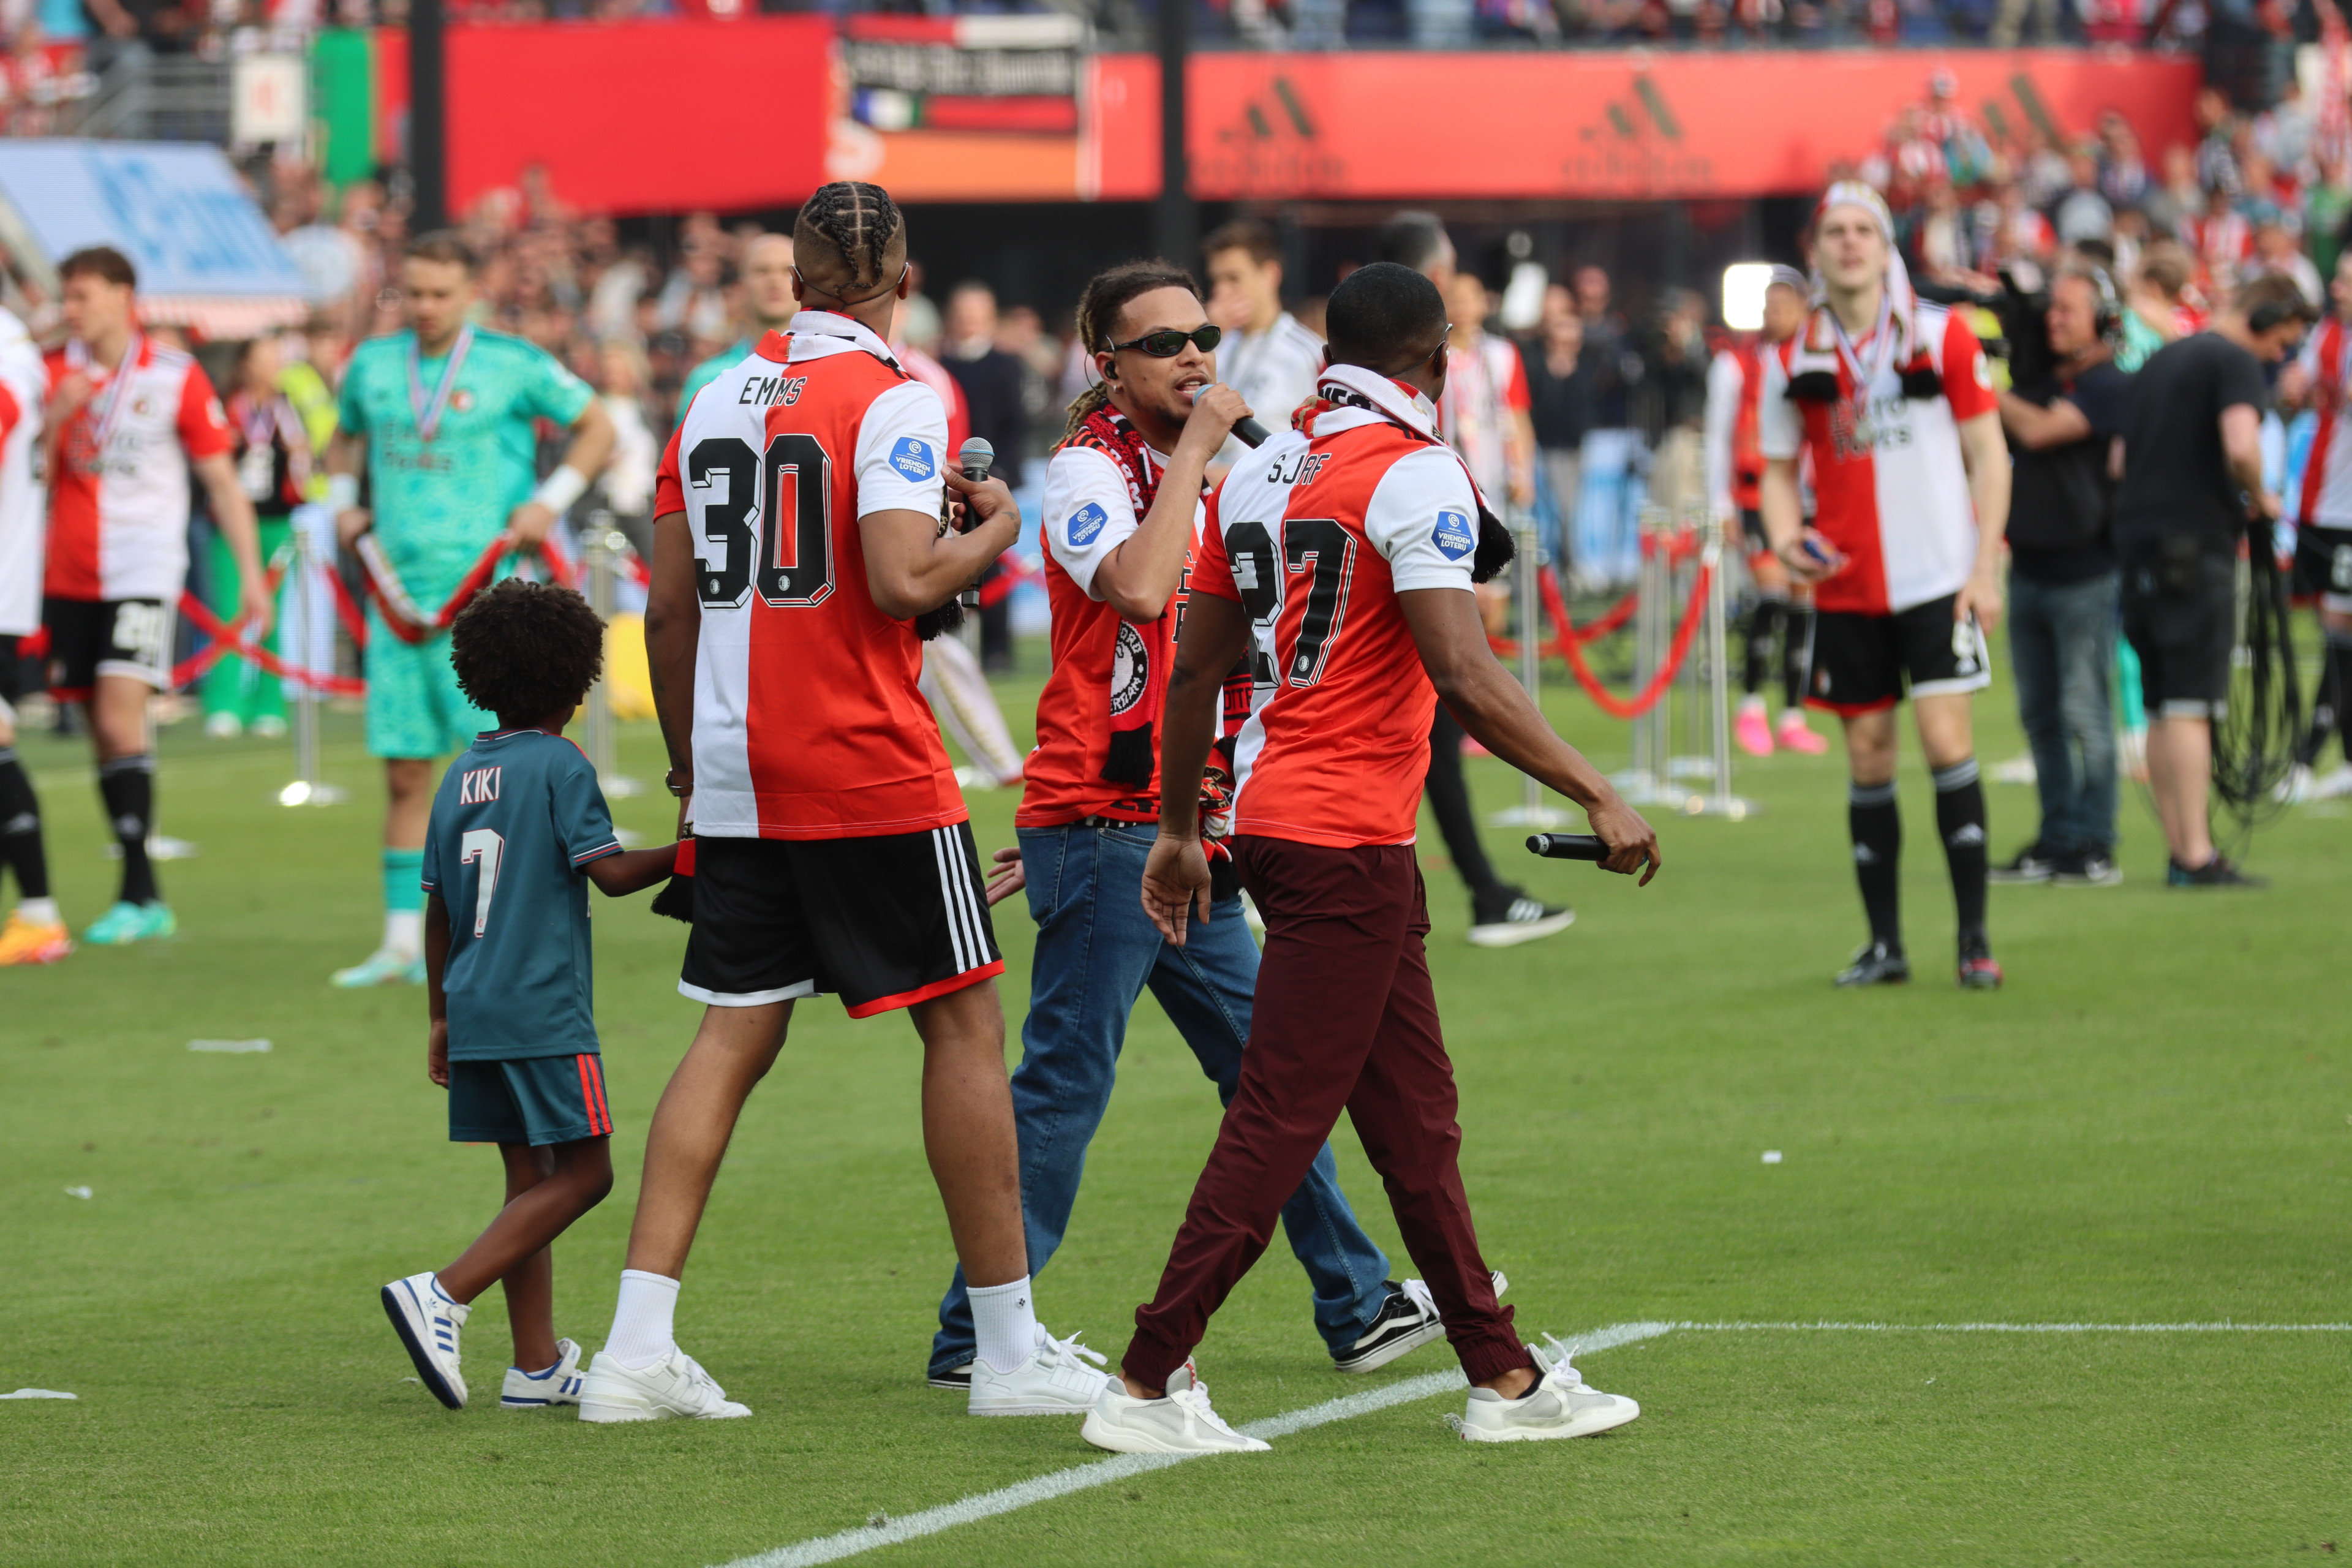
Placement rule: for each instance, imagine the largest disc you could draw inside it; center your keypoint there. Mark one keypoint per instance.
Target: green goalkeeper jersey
(450, 454)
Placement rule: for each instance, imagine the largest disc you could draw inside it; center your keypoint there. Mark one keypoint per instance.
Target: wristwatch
(679, 783)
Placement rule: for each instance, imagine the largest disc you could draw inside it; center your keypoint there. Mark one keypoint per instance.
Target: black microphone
(1249, 432)
(976, 457)
(1567, 846)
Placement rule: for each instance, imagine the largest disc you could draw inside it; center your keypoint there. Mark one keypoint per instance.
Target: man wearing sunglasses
(1122, 510)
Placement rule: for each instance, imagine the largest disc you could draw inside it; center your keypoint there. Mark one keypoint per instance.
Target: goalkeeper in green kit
(444, 416)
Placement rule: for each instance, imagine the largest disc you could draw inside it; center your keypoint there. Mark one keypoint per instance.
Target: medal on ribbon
(106, 415)
(1865, 379)
(428, 411)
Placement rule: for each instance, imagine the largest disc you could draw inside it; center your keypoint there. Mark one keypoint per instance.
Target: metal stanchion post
(605, 545)
(1720, 801)
(1531, 812)
(308, 788)
(1639, 782)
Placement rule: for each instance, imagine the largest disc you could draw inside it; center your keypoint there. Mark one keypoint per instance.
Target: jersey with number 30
(808, 719)
(1315, 536)
(513, 822)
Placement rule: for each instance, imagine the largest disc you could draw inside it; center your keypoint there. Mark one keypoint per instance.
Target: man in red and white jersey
(128, 419)
(1122, 508)
(1891, 398)
(797, 545)
(35, 932)
(1735, 477)
(2320, 380)
(1349, 545)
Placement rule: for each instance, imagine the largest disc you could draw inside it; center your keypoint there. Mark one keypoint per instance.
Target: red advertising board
(637, 117)
(1380, 126)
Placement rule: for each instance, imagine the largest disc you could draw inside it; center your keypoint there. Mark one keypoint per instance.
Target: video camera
(2022, 305)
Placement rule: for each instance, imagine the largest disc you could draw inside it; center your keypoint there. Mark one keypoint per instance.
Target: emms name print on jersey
(771, 391)
(912, 458)
(478, 787)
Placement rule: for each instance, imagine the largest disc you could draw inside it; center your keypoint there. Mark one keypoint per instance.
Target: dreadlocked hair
(1107, 294)
(857, 220)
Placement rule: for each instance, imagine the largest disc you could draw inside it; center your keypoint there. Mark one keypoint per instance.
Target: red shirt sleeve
(669, 495)
(203, 424)
(1213, 572)
(1967, 379)
(1516, 396)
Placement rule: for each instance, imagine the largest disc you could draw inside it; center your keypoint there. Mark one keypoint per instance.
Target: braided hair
(856, 221)
(1107, 294)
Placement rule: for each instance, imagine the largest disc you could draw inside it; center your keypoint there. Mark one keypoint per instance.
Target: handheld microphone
(1567, 845)
(1249, 432)
(974, 458)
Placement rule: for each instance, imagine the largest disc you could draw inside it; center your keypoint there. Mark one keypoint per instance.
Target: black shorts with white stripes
(883, 922)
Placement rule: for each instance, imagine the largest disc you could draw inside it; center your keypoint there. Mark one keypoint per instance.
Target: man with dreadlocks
(1348, 545)
(1891, 398)
(799, 559)
(1122, 513)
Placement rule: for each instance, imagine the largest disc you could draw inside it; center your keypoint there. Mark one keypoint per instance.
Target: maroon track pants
(1345, 1018)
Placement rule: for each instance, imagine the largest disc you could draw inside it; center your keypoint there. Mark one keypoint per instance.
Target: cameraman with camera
(2061, 418)
(2192, 485)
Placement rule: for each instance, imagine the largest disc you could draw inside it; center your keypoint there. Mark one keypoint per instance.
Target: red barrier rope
(1608, 701)
(1608, 621)
(229, 640)
(407, 620)
(1016, 572)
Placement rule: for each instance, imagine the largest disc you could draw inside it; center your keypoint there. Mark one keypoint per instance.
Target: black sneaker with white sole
(2034, 863)
(1408, 1320)
(1509, 917)
(2093, 869)
(956, 1379)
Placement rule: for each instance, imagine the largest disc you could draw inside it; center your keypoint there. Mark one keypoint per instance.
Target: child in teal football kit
(519, 831)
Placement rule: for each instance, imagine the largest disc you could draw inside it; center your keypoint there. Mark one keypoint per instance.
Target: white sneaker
(1559, 1405)
(428, 1324)
(2335, 786)
(2295, 788)
(559, 1384)
(1055, 1381)
(1180, 1423)
(678, 1386)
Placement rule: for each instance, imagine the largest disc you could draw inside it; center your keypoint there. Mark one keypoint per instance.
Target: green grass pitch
(2151, 1124)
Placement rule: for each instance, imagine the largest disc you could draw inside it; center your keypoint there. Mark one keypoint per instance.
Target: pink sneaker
(1753, 730)
(1798, 736)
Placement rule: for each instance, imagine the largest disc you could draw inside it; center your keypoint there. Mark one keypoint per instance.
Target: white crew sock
(404, 933)
(1005, 1323)
(642, 1332)
(39, 912)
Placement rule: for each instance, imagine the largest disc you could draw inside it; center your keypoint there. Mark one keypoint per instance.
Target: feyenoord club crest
(462, 399)
(1131, 669)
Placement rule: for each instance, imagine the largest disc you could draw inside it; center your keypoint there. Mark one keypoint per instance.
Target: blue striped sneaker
(559, 1384)
(428, 1324)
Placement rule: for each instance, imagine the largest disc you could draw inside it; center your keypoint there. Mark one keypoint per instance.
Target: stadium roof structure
(207, 259)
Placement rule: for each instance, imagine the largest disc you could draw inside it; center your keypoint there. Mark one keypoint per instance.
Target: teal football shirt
(706, 373)
(438, 502)
(515, 819)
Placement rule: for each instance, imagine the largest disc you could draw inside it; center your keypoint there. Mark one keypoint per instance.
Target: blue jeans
(2061, 648)
(1097, 951)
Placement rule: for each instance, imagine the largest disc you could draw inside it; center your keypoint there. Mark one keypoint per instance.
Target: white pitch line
(2221, 1328)
(1103, 1472)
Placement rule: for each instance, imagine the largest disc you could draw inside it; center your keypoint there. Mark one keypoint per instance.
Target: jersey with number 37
(513, 822)
(1315, 535)
(808, 719)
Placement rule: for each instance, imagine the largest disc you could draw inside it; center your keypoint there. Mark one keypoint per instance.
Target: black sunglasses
(1168, 342)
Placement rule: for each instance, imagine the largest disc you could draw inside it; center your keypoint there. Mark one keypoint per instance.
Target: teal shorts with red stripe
(528, 1099)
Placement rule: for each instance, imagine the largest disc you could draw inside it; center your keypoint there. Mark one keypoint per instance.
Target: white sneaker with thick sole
(559, 1384)
(1180, 1423)
(678, 1386)
(428, 1324)
(1056, 1380)
(1559, 1405)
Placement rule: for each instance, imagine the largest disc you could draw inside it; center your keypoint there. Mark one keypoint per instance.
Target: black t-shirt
(2176, 478)
(2060, 496)
(1560, 406)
